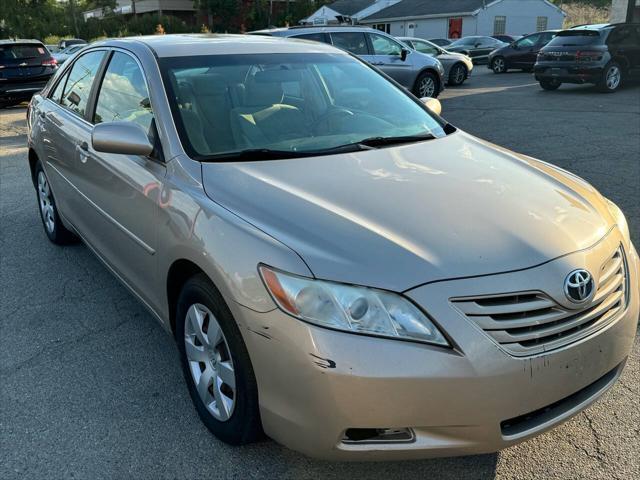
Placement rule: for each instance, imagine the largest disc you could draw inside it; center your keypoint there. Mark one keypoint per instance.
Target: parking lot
(91, 387)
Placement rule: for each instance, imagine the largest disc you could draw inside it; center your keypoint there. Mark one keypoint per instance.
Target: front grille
(526, 323)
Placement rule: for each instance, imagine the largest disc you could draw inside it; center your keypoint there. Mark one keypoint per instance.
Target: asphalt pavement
(90, 385)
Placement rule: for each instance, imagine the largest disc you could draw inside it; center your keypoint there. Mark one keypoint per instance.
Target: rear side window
(354, 42)
(123, 94)
(576, 38)
(56, 96)
(316, 37)
(625, 35)
(81, 77)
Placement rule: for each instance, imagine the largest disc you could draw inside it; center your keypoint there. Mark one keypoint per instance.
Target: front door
(387, 56)
(525, 51)
(123, 191)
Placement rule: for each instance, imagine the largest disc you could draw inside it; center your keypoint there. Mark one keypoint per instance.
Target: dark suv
(25, 68)
(604, 55)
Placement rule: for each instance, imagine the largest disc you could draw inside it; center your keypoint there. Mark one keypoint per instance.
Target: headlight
(350, 308)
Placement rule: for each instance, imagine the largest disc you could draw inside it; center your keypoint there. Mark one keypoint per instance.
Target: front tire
(216, 364)
(550, 84)
(49, 215)
(427, 85)
(457, 74)
(611, 78)
(499, 65)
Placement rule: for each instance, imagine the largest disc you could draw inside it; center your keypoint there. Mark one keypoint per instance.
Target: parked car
(506, 38)
(605, 55)
(25, 68)
(339, 266)
(422, 74)
(441, 42)
(63, 55)
(457, 66)
(478, 48)
(67, 42)
(520, 54)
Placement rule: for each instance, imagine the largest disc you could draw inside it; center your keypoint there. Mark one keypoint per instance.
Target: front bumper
(568, 74)
(315, 383)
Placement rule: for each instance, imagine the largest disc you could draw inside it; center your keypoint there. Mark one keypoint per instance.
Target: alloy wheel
(210, 362)
(458, 75)
(498, 65)
(613, 77)
(427, 87)
(46, 204)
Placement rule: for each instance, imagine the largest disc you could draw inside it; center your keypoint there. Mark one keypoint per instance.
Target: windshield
(575, 38)
(293, 103)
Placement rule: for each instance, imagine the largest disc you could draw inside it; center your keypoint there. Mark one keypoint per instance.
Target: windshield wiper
(257, 154)
(384, 141)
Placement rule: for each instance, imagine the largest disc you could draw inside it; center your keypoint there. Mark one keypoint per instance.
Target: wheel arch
(622, 61)
(33, 159)
(180, 271)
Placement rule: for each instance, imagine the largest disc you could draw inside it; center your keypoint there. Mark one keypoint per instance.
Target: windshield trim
(165, 63)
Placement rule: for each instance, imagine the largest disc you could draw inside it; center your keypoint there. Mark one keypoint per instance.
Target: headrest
(262, 93)
(208, 84)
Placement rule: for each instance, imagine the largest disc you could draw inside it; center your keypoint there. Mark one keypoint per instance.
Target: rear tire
(49, 215)
(611, 78)
(550, 84)
(499, 65)
(427, 85)
(217, 361)
(457, 74)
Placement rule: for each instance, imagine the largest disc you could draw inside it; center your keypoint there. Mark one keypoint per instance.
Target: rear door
(67, 131)
(123, 193)
(386, 54)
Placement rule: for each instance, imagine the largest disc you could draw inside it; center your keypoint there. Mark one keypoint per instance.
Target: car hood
(453, 56)
(398, 217)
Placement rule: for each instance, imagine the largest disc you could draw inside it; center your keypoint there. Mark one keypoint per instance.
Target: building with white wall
(625, 11)
(445, 18)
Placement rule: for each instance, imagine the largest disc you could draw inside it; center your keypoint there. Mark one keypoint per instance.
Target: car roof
(20, 41)
(302, 30)
(220, 44)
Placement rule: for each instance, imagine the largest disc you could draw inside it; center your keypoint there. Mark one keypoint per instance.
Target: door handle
(83, 151)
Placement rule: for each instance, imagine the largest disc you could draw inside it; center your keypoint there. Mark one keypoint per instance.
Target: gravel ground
(90, 385)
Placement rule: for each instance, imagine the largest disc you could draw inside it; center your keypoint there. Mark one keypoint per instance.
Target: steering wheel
(330, 113)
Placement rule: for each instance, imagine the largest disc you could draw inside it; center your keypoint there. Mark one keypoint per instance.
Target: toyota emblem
(579, 286)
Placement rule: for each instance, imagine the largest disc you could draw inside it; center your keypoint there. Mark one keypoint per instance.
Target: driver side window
(384, 46)
(529, 41)
(424, 47)
(123, 93)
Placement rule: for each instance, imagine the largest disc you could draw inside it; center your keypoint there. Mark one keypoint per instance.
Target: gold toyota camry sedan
(341, 268)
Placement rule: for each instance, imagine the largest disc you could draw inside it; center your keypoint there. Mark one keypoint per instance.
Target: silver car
(457, 66)
(423, 74)
(340, 267)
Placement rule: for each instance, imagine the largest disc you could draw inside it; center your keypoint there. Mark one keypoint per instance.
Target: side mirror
(125, 138)
(403, 54)
(515, 46)
(432, 104)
